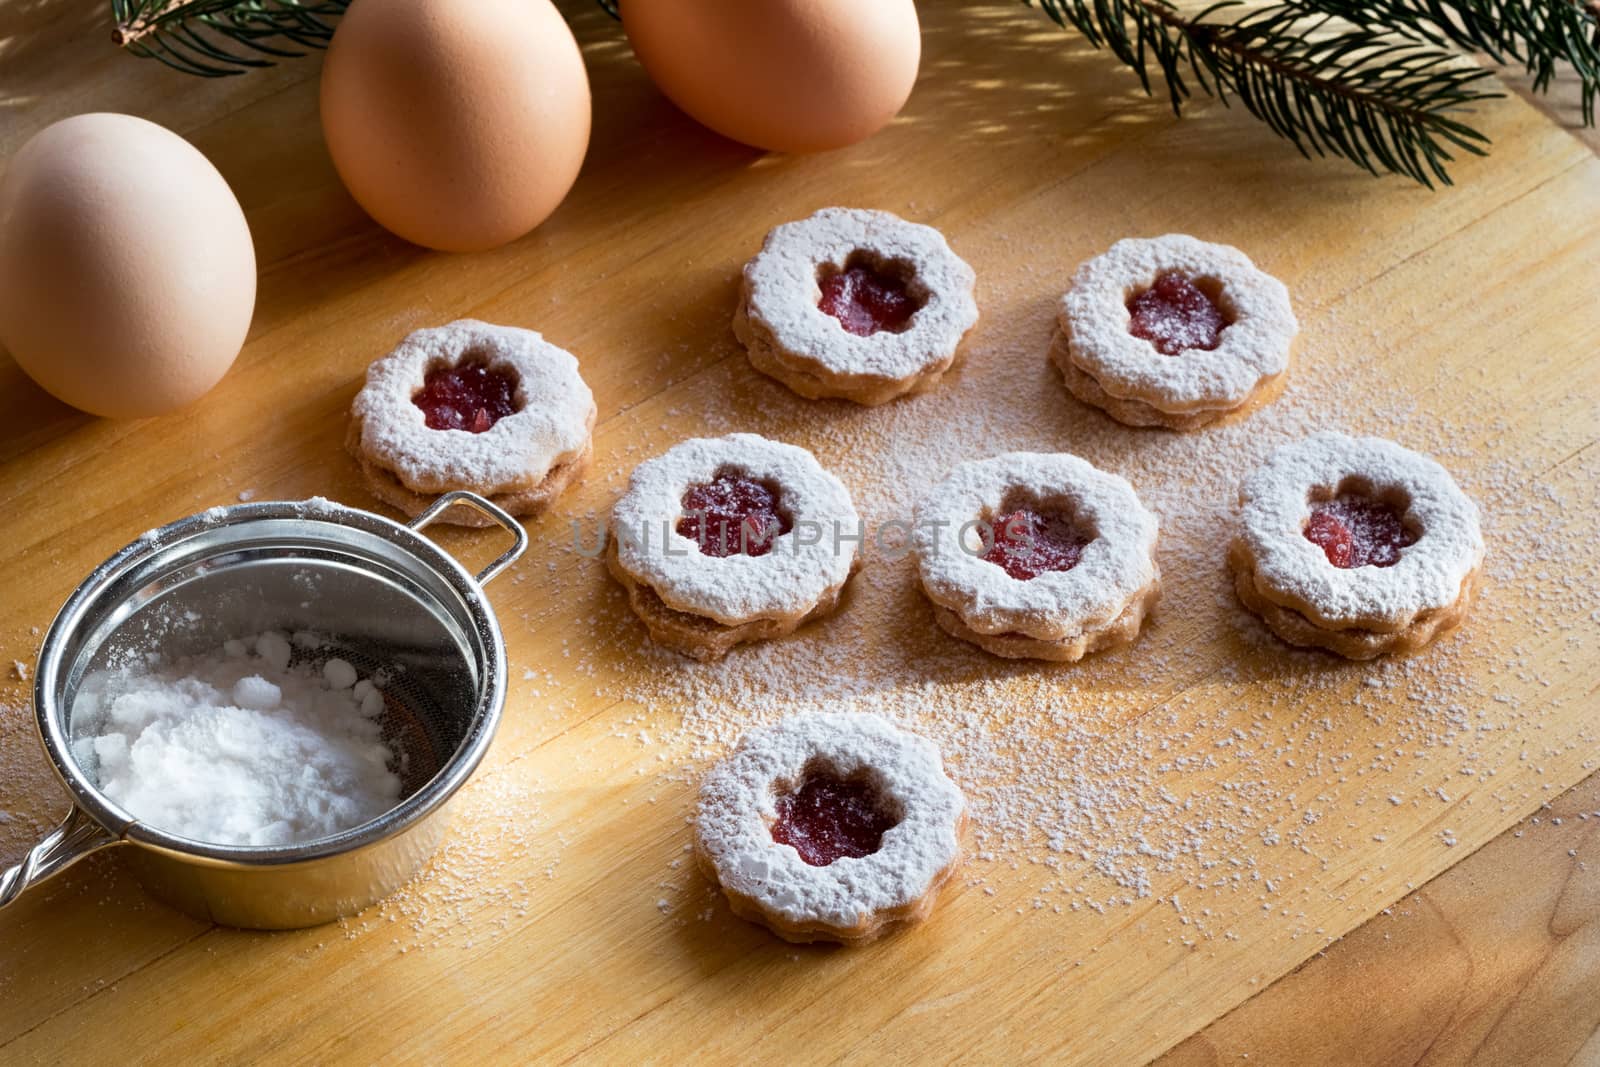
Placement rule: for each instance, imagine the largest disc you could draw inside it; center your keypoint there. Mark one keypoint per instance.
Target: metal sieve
(375, 593)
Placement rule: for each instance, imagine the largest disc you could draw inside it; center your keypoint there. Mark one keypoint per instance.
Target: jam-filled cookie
(494, 409)
(830, 827)
(1037, 555)
(1175, 332)
(855, 304)
(719, 541)
(1356, 545)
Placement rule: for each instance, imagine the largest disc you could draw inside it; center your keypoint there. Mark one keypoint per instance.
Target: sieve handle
(483, 507)
(76, 837)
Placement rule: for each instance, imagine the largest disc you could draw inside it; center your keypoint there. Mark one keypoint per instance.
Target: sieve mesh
(418, 726)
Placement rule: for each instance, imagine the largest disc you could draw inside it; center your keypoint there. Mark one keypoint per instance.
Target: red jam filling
(732, 515)
(1027, 544)
(1357, 531)
(1174, 314)
(468, 396)
(830, 817)
(866, 300)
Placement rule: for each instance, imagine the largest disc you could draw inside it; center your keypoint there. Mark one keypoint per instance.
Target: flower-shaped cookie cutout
(830, 827)
(493, 409)
(1037, 555)
(1356, 545)
(1175, 332)
(856, 304)
(720, 541)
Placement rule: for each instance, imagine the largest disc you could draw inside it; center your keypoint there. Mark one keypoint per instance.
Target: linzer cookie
(1175, 332)
(830, 827)
(494, 409)
(855, 304)
(1356, 545)
(1037, 555)
(724, 540)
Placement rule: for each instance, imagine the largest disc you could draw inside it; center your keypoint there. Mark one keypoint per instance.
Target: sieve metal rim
(118, 825)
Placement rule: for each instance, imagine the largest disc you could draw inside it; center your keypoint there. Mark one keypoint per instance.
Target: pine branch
(193, 36)
(1541, 35)
(1329, 87)
(215, 38)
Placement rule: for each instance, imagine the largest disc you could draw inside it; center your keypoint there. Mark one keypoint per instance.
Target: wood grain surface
(1493, 962)
(559, 923)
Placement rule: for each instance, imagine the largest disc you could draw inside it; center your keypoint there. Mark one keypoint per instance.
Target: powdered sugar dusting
(32, 799)
(782, 293)
(737, 805)
(1116, 565)
(1254, 346)
(789, 580)
(1295, 572)
(487, 877)
(550, 427)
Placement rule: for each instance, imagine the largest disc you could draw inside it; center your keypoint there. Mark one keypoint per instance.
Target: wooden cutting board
(1161, 831)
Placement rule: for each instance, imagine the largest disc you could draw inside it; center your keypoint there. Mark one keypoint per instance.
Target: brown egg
(789, 75)
(127, 276)
(457, 124)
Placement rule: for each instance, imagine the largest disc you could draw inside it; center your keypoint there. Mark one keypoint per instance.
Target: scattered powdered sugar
(781, 287)
(31, 798)
(238, 747)
(737, 804)
(1255, 344)
(469, 891)
(1138, 767)
(1116, 564)
(1131, 774)
(1293, 570)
